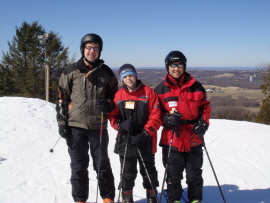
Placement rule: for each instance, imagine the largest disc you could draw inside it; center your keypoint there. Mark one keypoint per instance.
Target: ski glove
(142, 138)
(172, 119)
(128, 125)
(200, 128)
(104, 106)
(64, 131)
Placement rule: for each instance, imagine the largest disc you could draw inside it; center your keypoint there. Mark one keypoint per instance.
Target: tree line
(22, 69)
(22, 73)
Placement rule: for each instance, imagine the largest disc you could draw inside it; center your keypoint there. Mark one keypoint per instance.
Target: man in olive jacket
(86, 92)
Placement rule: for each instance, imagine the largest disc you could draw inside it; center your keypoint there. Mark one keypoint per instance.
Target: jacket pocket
(120, 144)
(193, 104)
(101, 84)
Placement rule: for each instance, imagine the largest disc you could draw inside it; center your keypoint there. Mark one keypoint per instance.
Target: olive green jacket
(79, 89)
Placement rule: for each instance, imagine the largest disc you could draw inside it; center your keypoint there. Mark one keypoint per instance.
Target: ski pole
(51, 150)
(123, 166)
(147, 173)
(220, 190)
(166, 167)
(99, 155)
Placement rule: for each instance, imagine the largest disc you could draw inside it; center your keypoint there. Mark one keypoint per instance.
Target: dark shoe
(127, 196)
(151, 196)
(195, 201)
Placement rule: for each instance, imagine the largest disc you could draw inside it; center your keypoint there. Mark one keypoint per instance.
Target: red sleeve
(154, 121)
(114, 114)
(206, 110)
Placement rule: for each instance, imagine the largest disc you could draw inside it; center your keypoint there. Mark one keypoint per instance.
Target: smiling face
(91, 51)
(176, 70)
(130, 81)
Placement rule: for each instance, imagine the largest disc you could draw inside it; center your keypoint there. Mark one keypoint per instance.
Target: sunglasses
(96, 49)
(180, 65)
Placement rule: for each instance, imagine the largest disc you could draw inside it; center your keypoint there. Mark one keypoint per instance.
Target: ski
(184, 198)
(96, 202)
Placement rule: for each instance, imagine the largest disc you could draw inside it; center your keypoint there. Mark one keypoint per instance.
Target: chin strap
(91, 63)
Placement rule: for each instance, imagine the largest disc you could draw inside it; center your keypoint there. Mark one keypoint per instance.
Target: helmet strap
(91, 63)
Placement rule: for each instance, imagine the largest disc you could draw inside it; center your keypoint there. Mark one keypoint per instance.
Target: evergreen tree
(264, 114)
(22, 69)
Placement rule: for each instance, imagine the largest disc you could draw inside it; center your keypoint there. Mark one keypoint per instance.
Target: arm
(105, 102)
(201, 126)
(154, 121)
(114, 115)
(63, 99)
(62, 109)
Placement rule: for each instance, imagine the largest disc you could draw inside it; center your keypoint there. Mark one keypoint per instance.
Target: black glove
(128, 125)
(65, 133)
(172, 119)
(142, 138)
(104, 106)
(200, 128)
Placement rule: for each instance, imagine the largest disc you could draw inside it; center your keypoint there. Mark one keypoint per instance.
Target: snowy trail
(28, 130)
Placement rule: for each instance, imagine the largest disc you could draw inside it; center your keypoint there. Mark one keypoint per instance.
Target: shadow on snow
(231, 193)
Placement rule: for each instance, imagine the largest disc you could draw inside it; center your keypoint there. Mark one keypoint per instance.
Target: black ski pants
(192, 162)
(130, 172)
(84, 139)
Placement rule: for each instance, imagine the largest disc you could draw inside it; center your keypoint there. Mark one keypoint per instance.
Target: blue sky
(216, 33)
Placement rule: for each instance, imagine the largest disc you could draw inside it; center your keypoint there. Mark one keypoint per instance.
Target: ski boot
(151, 195)
(127, 196)
(173, 201)
(108, 200)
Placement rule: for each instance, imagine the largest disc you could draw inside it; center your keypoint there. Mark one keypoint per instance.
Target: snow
(29, 173)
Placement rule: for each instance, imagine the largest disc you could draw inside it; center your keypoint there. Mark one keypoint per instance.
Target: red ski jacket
(146, 113)
(190, 100)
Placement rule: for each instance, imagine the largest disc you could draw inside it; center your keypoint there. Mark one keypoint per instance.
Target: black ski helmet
(175, 56)
(91, 37)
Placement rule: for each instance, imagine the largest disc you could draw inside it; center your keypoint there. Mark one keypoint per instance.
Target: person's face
(91, 51)
(176, 70)
(130, 81)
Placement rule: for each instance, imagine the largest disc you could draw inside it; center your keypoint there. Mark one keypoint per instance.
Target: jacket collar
(84, 68)
(185, 80)
(138, 83)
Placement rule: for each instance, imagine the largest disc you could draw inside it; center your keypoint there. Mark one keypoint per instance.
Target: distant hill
(250, 79)
(201, 68)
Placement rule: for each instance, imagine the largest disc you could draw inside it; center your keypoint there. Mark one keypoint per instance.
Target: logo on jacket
(144, 97)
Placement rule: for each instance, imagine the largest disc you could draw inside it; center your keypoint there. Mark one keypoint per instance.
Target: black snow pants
(192, 162)
(82, 140)
(130, 172)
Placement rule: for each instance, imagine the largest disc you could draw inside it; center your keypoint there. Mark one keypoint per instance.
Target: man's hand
(65, 131)
(200, 128)
(172, 119)
(104, 106)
